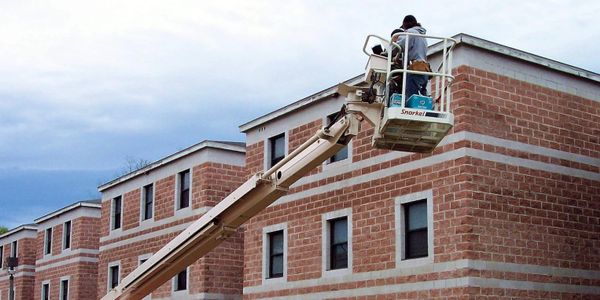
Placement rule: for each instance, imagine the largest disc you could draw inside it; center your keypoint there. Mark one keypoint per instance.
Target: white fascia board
(16, 230)
(297, 105)
(161, 162)
(67, 209)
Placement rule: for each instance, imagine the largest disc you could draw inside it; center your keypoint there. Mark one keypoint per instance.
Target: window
(64, 289)
(414, 229)
(45, 291)
(67, 235)
(113, 276)
(415, 217)
(343, 153)
(277, 149)
(183, 190)
(276, 254)
(337, 242)
(338, 239)
(14, 249)
(180, 281)
(1, 258)
(48, 241)
(116, 212)
(147, 201)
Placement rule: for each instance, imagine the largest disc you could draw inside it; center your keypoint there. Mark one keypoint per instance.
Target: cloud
(84, 84)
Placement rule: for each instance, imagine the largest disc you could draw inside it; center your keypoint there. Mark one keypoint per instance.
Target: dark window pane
(114, 276)
(13, 249)
(339, 257)
(276, 254)
(48, 244)
(64, 287)
(184, 189)
(276, 266)
(1, 256)
(67, 235)
(181, 281)
(148, 200)
(339, 243)
(45, 291)
(277, 151)
(416, 242)
(340, 231)
(117, 212)
(417, 215)
(276, 242)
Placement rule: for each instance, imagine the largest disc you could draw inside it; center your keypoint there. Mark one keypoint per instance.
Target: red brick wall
(23, 282)
(82, 281)
(220, 271)
(483, 210)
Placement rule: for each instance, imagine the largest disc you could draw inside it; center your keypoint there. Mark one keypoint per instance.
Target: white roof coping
(227, 146)
(73, 206)
(19, 228)
(463, 39)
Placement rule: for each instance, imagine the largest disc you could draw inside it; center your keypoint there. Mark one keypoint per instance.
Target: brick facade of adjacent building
(513, 194)
(72, 258)
(24, 274)
(216, 169)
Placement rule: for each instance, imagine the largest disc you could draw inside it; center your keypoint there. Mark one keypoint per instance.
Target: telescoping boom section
(393, 130)
(245, 202)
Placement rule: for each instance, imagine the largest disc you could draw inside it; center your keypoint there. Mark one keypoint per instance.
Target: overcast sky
(86, 84)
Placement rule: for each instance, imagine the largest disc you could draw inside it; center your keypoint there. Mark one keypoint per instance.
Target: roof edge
(297, 105)
(67, 209)
(17, 229)
(175, 156)
(525, 56)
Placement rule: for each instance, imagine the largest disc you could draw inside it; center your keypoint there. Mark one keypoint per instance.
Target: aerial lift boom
(262, 189)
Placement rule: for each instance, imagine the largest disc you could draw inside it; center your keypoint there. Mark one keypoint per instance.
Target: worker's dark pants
(416, 84)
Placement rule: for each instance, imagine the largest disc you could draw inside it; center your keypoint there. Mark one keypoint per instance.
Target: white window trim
(177, 187)
(48, 252)
(325, 244)
(265, 251)
(182, 294)
(143, 202)
(112, 210)
(108, 279)
(328, 165)
(42, 289)
(400, 237)
(64, 236)
(60, 282)
(267, 148)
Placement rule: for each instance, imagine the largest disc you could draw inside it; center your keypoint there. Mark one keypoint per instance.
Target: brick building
(20, 243)
(508, 206)
(145, 209)
(66, 265)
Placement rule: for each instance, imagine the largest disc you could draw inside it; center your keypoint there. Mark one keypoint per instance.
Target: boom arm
(249, 199)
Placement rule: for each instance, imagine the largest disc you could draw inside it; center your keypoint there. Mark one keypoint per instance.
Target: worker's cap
(409, 19)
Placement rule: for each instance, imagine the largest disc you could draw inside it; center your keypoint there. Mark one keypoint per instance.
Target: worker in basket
(416, 84)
